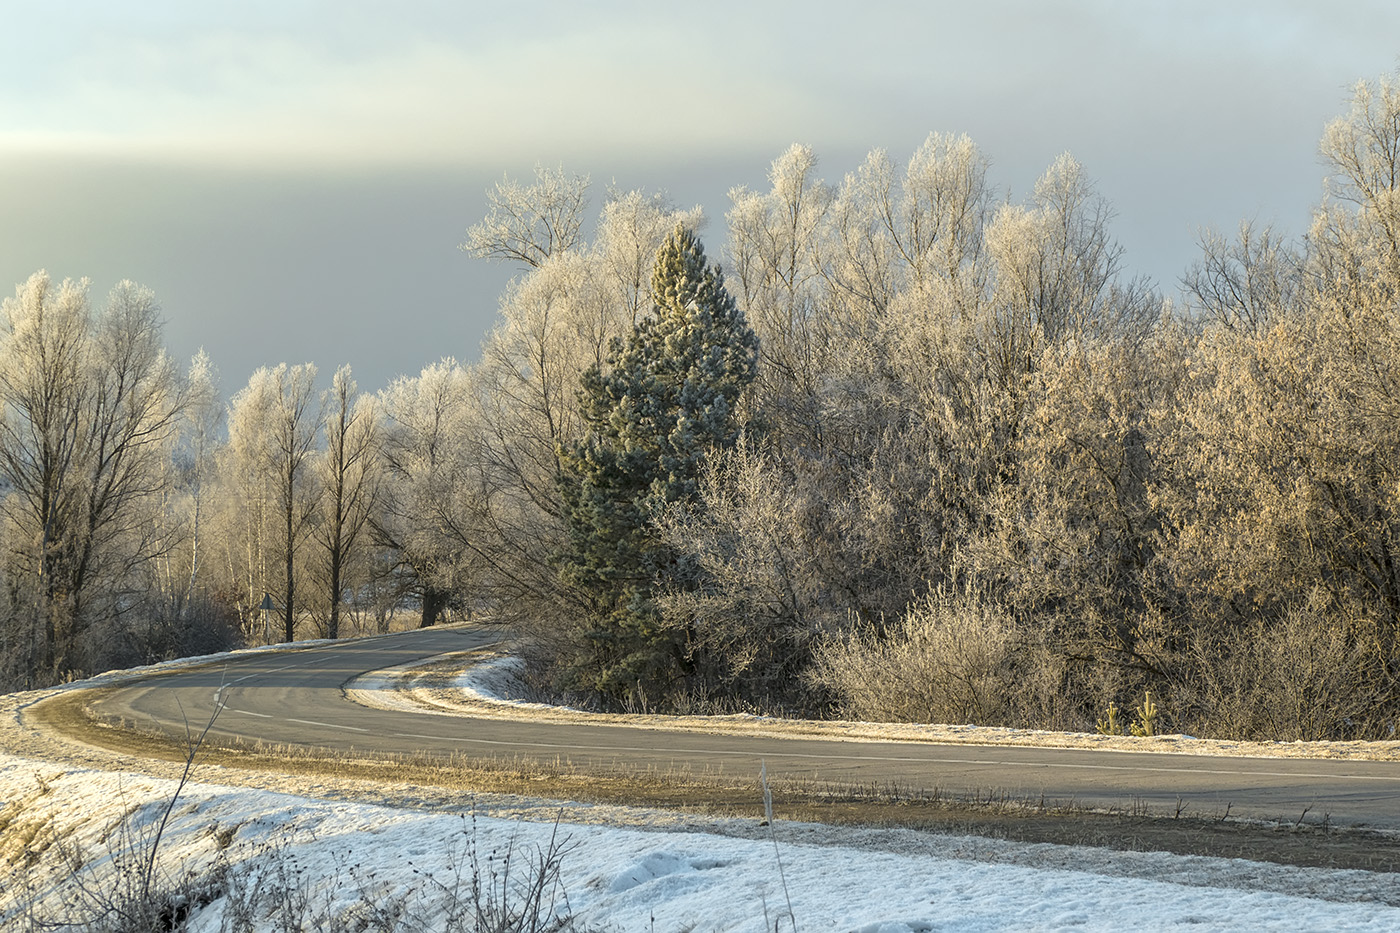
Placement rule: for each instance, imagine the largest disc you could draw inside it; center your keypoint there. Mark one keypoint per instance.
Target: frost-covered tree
(273, 427)
(89, 410)
(204, 416)
(964, 404)
(557, 321)
(775, 250)
(529, 223)
(422, 516)
(665, 402)
(348, 475)
(905, 318)
(45, 399)
(1247, 284)
(1362, 148)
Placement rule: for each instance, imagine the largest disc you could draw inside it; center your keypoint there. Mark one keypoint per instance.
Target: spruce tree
(665, 399)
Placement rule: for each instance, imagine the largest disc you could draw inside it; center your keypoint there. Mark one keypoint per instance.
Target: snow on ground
(338, 856)
(483, 684)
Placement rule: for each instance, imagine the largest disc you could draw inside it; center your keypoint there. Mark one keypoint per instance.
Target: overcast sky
(293, 177)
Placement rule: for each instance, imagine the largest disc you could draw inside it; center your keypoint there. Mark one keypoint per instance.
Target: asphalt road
(296, 698)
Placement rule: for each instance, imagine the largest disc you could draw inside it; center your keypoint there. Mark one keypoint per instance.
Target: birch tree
(45, 397)
(348, 475)
(205, 415)
(529, 223)
(273, 426)
(89, 408)
(421, 518)
(1362, 148)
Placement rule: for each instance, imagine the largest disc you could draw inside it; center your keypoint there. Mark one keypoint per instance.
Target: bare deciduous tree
(348, 475)
(1247, 284)
(91, 406)
(422, 519)
(530, 223)
(273, 426)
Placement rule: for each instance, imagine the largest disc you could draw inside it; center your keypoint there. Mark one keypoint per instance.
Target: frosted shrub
(1311, 675)
(948, 660)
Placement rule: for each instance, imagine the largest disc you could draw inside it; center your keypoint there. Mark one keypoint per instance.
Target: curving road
(296, 698)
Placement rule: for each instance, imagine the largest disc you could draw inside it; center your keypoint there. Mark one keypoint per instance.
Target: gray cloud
(293, 178)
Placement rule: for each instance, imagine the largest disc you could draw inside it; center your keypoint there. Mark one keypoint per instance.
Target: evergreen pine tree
(664, 401)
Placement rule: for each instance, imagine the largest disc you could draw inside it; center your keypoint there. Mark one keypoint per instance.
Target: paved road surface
(295, 698)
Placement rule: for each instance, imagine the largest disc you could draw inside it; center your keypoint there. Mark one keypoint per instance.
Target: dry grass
(123, 882)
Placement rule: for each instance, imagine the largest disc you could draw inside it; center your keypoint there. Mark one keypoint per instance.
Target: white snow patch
(340, 854)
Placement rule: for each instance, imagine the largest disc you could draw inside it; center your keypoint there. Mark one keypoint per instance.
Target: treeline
(921, 452)
(979, 474)
(143, 518)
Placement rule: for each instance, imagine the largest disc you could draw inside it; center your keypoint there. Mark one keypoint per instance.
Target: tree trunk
(333, 626)
(288, 617)
(434, 601)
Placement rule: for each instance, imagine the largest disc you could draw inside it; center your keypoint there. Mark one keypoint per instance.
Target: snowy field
(337, 857)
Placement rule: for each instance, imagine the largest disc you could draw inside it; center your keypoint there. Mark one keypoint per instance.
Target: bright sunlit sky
(293, 177)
